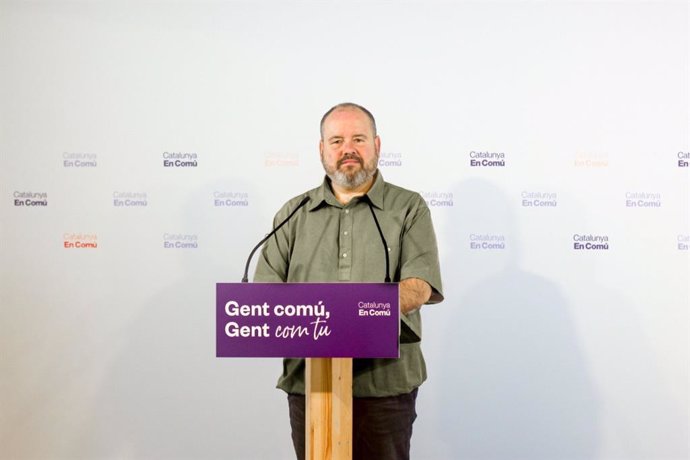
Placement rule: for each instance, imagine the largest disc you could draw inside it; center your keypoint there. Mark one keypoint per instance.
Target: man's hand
(414, 293)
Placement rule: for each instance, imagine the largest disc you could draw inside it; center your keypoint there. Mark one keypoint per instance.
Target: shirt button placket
(345, 246)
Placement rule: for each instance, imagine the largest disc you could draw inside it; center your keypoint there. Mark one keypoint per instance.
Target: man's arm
(414, 293)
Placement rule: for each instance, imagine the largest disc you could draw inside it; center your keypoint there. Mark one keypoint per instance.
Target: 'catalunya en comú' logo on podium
(301, 320)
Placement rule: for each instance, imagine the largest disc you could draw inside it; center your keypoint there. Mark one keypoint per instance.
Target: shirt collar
(375, 193)
(324, 194)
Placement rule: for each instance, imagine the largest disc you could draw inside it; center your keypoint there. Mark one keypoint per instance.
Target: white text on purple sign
(314, 329)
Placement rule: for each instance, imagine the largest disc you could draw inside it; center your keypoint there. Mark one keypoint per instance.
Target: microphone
(383, 239)
(245, 278)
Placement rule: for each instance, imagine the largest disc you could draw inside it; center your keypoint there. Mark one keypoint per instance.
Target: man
(334, 237)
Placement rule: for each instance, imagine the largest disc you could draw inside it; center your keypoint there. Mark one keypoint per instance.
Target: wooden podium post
(328, 416)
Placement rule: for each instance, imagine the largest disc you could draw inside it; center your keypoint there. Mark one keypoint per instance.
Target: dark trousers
(381, 427)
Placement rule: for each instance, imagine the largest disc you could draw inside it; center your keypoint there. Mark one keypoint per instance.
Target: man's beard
(353, 179)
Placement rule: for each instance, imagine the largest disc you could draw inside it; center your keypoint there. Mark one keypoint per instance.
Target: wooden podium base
(328, 418)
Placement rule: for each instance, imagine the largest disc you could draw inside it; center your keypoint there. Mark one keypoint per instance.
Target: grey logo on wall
(180, 160)
(79, 160)
(130, 199)
(532, 199)
(180, 241)
(390, 159)
(30, 199)
(230, 199)
(487, 159)
(642, 200)
(438, 199)
(590, 242)
(487, 241)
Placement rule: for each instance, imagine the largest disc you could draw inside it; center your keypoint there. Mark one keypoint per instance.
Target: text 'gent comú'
(316, 328)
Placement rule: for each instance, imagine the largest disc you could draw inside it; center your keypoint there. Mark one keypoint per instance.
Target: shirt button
(345, 255)
(347, 211)
(345, 232)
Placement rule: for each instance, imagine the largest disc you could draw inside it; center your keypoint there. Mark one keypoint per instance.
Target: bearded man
(334, 237)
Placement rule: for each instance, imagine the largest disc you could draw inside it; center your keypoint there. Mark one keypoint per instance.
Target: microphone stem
(245, 278)
(383, 240)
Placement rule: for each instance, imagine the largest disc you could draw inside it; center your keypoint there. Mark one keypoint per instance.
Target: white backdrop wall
(540, 351)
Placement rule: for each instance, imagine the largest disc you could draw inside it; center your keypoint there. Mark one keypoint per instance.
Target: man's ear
(321, 149)
(377, 143)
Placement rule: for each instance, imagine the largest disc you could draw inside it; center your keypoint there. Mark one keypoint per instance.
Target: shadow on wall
(514, 384)
(166, 395)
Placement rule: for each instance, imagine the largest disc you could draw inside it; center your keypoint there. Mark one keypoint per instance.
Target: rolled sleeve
(419, 252)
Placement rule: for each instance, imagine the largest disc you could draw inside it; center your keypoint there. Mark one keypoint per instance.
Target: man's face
(349, 149)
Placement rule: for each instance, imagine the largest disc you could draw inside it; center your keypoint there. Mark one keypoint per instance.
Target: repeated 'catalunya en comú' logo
(80, 241)
(180, 241)
(180, 160)
(438, 199)
(590, 242)
(30, 199)
(487, 159)
(373, 309)
(642, 200)
(130, 199)
(388, 159)
(532, 199)
(79, 160)
(230, 199)
(487, 241)
(272, 160)
(591, 160)
(683, 242)
(684, 159)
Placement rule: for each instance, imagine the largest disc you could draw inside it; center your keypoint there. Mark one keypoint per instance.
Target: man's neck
(345, 195)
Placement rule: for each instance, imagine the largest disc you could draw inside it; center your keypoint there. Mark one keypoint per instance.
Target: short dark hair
(348, 105)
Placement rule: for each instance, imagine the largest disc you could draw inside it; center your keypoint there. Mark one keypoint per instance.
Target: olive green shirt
(327, 241)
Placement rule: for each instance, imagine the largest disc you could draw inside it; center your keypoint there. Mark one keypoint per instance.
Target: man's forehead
(337, 113)
(334, 119)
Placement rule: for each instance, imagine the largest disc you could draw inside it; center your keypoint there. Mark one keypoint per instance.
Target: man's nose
(349, 147)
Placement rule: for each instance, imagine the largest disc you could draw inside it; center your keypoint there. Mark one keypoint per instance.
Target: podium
(328, 413)
(328, 324)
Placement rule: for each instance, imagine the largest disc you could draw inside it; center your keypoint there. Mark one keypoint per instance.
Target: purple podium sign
(307, 320)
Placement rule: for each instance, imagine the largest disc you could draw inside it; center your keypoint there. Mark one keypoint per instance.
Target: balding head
(349, 106)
